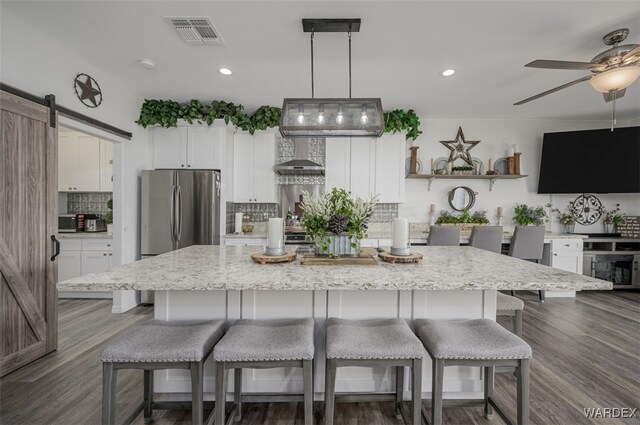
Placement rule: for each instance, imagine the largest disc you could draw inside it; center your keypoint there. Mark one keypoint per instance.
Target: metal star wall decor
(460, 147)
(88, 90)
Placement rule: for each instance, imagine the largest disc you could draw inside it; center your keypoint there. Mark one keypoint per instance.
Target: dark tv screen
(592, 161)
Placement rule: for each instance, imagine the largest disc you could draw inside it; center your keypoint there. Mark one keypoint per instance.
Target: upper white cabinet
(188, 147)
(253, 160)
(390, 168)
(85, 163)
(366, 166)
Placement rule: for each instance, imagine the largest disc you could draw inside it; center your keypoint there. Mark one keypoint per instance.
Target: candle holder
(273, 252)
(432, 219)
(275, 237)
(499, 220)
(401, 243)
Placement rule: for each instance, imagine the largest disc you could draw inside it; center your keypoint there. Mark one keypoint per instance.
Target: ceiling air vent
(196, 31)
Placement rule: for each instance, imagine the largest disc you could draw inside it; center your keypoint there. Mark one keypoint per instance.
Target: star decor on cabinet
(88, 90)
(460, 147)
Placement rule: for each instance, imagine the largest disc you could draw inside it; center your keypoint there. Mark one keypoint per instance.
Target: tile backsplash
(384, 213)
(254, 212)
(88, 202)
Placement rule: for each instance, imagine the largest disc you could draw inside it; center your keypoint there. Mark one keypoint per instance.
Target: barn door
(28, 219)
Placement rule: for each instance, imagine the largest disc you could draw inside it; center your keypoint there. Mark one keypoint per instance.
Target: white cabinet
(245, 242)
(85, 163)
(362, 165)
(564, 254)
(83, 256)
(367, 166)
(253, 159)
(390, 168)
(338, 163)
(188, 147)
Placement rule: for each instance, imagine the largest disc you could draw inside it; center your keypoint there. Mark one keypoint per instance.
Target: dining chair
(527, 243)
(488, 238)
(444, 236)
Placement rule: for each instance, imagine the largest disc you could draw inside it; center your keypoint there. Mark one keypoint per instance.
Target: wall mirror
(461, 198)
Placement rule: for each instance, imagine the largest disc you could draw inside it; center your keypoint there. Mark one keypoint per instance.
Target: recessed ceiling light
(225, 71)
(147, 63)
(448, 72)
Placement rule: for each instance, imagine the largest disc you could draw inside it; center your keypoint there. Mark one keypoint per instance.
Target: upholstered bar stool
(264, 344)
(478, 342)
(443, 236)
(511, 306)
(371, 343)
(488, 238)
(155, 345)
(527, 243)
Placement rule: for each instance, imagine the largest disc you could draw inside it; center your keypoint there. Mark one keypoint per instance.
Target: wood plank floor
(586, 354)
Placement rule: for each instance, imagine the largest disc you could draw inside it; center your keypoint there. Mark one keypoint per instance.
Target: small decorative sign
(630, 228)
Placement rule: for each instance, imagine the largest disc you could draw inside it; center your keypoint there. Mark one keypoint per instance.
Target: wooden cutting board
(367, 258)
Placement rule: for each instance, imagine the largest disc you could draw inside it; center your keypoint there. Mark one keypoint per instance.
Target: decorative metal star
(459, 148)
(88, 91)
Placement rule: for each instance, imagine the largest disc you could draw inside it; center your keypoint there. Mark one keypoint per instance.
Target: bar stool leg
(237, 392)
(489, 372)
(522, 372)
(436, 392)
(197, 402)
(399, 390)
(221, 393)
(148, 395)
(329, 391)
(307, 372)
(109, 378)
(517, 323)
(416, 391)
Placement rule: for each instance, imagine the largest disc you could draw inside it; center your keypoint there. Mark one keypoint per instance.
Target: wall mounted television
(591, 161)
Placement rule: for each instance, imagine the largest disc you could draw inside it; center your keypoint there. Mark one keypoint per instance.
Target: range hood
(300, 165)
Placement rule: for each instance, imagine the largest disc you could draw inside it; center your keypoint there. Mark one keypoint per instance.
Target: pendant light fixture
(331, 117)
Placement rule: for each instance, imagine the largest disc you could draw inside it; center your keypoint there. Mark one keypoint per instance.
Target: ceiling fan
(612, 71)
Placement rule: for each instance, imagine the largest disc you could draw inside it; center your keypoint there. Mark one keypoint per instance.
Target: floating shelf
(492, 178)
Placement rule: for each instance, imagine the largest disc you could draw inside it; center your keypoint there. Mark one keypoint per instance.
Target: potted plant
(465, 170)
(108, 217)
(612, 219)
(567, 218)
(465, 220)
(336, 222)
(529, 216)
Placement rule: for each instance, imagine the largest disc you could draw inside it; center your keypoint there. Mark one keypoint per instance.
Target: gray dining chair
(488, 238)
(527, 243)
(444, 236)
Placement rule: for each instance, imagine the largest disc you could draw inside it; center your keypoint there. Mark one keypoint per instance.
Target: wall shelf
(492, 178)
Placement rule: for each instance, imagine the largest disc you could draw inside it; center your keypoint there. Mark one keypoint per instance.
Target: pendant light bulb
(300, 117)
(364, 118)
(339, 118)
(321, 118)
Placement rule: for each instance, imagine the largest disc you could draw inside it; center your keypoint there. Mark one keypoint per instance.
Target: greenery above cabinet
(166, 113)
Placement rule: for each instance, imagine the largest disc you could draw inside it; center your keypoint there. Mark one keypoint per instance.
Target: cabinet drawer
(97, 244)
(566, 245)
(70, 244)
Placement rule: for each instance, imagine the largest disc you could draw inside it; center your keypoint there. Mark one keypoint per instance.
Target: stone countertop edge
(231, 268)
(84, 235)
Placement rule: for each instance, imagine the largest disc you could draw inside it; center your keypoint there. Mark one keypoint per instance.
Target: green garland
(166, 113)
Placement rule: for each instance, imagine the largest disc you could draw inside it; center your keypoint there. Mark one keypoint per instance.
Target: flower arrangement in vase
(612, 219)
(336, 222)
(568, 218)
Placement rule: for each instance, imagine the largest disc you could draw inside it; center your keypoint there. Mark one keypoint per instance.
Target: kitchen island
(222, 282)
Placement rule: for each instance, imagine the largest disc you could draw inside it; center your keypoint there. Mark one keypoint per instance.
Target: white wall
(496, 137)
(31, 61)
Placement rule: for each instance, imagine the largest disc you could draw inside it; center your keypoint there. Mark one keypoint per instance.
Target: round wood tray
(262, 258)
(414, 257)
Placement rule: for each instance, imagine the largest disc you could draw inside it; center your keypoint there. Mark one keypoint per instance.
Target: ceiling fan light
(615, 79)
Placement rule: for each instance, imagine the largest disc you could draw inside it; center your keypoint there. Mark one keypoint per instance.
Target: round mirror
(461, 198)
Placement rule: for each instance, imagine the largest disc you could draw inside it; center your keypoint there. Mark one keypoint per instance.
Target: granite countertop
(205, 267)
(252, 235)
(84, 235)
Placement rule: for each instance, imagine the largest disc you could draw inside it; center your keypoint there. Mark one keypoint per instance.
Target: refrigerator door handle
(172, 215)
(179, 220)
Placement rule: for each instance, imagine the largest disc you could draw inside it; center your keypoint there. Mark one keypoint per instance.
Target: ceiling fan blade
(553, 90)
(631, 56)
(608, 97)
(551, 64)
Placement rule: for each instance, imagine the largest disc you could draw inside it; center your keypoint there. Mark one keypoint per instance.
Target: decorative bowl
(247, 228)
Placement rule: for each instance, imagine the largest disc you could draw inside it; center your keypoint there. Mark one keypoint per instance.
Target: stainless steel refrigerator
(179, 208)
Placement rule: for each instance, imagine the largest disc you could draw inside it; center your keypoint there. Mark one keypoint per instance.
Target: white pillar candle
(432, 209)
(238, 222)
(499, 212)
(511, 151)
(516, 148)
(275, 234)
(400, 235)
